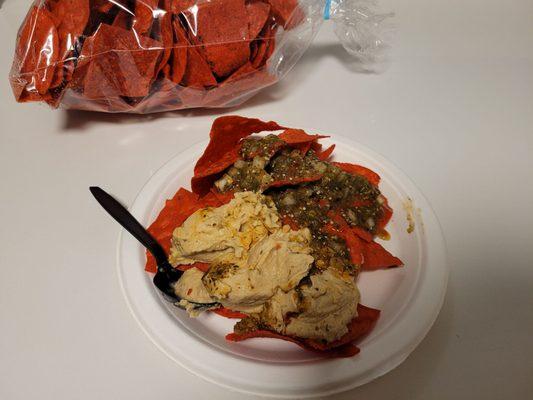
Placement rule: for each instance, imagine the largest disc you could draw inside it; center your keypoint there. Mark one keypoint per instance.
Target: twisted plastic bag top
(144, 56)
(360, 26)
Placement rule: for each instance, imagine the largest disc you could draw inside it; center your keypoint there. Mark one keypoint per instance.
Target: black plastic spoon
(166, 275)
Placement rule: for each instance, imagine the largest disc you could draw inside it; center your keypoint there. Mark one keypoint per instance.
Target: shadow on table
(304, 70)
(409, 380)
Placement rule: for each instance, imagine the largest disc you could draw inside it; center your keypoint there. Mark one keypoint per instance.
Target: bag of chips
(144, 56)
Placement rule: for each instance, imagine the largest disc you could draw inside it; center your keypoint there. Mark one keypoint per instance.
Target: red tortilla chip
(253, 50)
(359, 327)
(304, 147)
(59, 74)
(81, 68)
(36, 54)
(223, 198)
(341, 351)
(343, 230)
(204, 177)
(104, 12)
(166, 71)
(166, 36)
(271, 42)
(214, 199)
(287, 12)
(179, 55)
(34, 96)
(353, 242)
(298, 136)
(174, 214)
(120, 63)
(236, 337)
(260, 52)
(246, 81)
(197, 73)
(201, 266)
(295, 181)
(299, 139)
(102, 6)
(258, 13)
(245, 70)
(363, 234)
(223, 148)
(344, 226)
(144, 16)
(122, 20)
(385, 217)
(355, 169)
(227, 313)
(316, 147)
(376, 257)
(177, 6)
(217, 27)
(71, 17)
(366, 253)
(264, 45)
(324, 155)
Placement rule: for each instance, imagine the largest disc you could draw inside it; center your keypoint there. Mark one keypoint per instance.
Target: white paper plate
(409, 297)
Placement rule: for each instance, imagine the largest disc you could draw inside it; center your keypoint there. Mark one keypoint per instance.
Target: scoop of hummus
(224, 234)
(327, 307)
(278, 261)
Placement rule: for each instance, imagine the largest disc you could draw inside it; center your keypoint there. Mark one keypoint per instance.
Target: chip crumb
(408, 206)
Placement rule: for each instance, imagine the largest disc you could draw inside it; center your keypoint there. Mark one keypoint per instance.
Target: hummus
(258, 267)
(191, 288)
(319, 310)
(224, 234)
(278, 261)
(328, 305)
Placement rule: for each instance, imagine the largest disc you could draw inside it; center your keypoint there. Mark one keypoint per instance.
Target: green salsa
(312, 191)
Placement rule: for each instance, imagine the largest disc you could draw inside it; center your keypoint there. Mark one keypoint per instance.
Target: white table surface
(453, 109)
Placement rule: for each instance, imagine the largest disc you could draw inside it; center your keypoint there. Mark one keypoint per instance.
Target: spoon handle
(128, 221)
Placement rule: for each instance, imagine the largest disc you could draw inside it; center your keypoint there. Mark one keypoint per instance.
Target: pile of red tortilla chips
(144, 56)
(221, 153)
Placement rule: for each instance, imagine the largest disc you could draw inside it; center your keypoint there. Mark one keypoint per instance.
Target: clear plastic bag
(145, 56)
